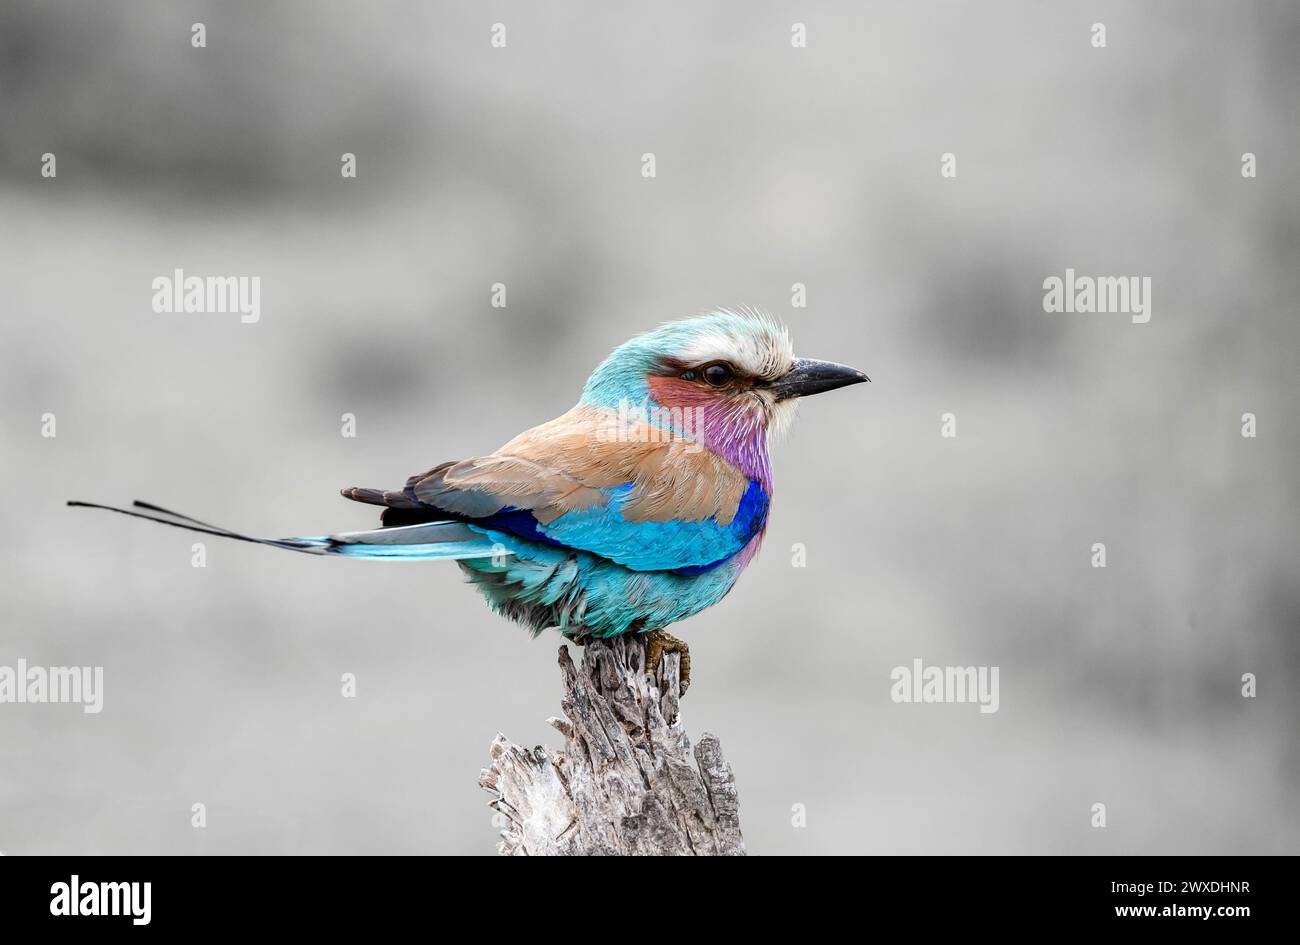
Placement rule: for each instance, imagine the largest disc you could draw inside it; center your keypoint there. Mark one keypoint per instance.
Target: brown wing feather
(563, 465)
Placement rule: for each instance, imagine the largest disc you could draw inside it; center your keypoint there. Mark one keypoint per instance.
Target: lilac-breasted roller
(639, 507)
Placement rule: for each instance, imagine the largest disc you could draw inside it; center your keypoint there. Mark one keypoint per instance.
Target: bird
(638, 508)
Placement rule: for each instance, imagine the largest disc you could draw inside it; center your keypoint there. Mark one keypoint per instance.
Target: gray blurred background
(775, 166)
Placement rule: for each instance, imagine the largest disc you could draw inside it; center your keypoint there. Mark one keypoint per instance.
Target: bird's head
(735, 370)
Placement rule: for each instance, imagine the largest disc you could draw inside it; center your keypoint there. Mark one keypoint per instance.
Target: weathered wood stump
(625, 781)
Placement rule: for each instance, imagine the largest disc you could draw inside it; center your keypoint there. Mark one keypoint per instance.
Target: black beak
(814, 377)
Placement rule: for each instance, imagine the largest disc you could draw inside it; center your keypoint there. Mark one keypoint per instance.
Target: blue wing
(647, 503)
(684, 546)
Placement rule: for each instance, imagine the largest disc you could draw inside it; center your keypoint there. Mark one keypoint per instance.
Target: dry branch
(625, 781)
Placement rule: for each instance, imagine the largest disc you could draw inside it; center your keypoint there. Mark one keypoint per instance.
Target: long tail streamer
(429, 541)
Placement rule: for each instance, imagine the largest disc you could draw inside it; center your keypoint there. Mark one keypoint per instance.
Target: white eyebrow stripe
(766, 355)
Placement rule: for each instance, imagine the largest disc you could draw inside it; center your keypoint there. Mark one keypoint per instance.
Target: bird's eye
(717, 374)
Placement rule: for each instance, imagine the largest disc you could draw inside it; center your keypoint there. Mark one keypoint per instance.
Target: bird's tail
(427, 541)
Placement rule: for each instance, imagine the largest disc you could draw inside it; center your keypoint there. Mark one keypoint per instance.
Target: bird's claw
(659, 642)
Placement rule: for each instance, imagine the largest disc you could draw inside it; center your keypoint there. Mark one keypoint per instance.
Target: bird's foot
(659, 642)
